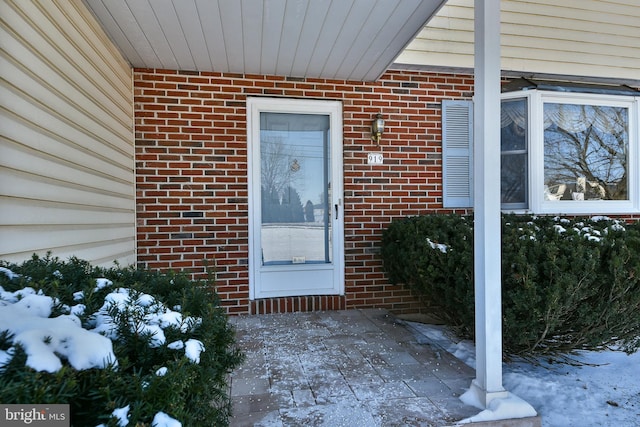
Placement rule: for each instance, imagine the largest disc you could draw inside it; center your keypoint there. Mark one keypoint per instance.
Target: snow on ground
(601, 389)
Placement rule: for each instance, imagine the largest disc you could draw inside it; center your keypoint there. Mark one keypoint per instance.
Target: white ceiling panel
(196, 42)
(121, 39)
(175, 33)
(146, 33)
(273, 17)
(344, 39)
(289, 36)
(210, 23)
(309, 36)
(354, 25)
(231, 18)
(252, 13)
(335, 18)
(366, 43)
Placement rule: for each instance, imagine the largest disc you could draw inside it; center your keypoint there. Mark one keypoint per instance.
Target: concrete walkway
(343, 368)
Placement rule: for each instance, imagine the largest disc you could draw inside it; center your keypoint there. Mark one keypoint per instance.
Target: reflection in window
(585, 152)
(513, 143)
(295, 188)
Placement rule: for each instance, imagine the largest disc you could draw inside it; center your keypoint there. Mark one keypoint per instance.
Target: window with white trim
(514, 143)
(569, 152)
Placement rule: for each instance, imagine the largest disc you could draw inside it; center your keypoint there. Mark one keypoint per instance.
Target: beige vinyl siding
(595, 38)
(66, 136)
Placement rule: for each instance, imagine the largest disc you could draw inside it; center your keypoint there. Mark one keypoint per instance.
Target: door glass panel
(295, 188)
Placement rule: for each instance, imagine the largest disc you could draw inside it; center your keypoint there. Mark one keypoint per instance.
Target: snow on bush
(145, 315)
(97, 339)
(46, 340)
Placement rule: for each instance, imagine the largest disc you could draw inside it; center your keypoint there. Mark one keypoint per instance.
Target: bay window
(567, 152)
(566, 148)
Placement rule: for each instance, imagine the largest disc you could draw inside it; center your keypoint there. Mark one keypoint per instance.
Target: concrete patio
(345, 368)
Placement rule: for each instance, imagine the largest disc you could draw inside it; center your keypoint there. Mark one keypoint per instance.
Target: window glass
(295, 188)
(585, 152)
(514, 159)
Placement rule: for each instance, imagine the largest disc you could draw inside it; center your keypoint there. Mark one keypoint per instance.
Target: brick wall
(191, 164)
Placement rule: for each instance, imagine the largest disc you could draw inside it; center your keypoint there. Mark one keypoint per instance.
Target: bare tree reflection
(278, 169)
(585, 146)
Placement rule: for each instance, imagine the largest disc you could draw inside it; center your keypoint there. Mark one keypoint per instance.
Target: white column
(486, 391)
(487, 229)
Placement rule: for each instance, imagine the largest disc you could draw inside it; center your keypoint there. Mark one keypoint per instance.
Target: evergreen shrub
(567, 283)
(196, 394)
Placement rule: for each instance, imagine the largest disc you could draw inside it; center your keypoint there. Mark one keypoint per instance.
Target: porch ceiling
(345, 39)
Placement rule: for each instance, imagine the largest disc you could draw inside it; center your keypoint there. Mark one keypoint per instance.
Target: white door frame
(297, 283)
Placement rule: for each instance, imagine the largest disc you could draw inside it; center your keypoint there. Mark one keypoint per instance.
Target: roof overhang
(345, 39)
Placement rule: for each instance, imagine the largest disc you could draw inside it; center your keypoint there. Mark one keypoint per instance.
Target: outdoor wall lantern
(377, 128)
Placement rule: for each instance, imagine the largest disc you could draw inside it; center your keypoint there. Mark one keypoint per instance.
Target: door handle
(336, 206)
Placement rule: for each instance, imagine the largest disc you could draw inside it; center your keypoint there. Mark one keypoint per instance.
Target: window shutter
(457, 154)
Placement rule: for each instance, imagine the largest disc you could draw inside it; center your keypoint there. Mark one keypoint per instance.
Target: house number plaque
(374, 158)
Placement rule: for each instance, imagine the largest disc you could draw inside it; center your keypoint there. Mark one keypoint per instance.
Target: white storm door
(296, 241)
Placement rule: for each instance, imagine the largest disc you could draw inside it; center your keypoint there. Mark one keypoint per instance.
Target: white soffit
(339, 39)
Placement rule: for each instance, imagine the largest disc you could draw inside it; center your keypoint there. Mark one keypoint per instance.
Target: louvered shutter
(457, 154)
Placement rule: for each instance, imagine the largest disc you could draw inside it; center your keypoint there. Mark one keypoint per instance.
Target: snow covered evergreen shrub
(170, 347)
(567, 284)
